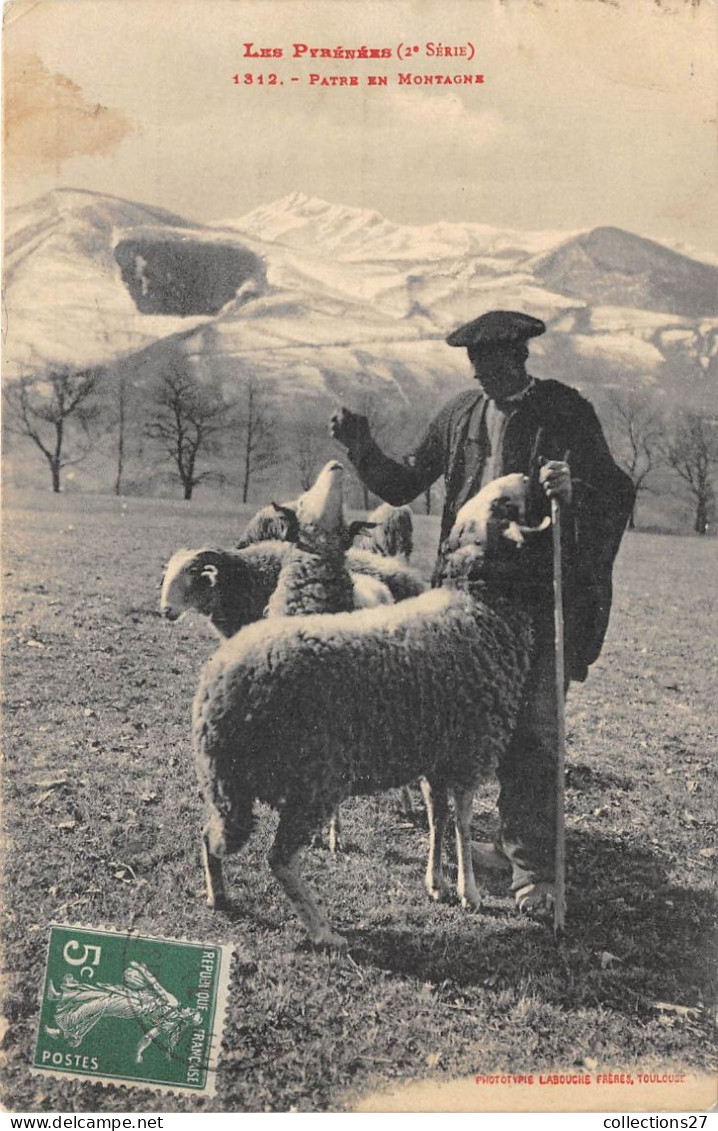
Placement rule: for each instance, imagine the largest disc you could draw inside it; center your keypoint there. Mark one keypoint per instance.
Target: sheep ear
(292, 520)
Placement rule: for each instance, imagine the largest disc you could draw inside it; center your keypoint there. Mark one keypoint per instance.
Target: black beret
(498, 327)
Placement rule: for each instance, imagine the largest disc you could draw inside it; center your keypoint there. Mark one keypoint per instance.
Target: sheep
(267, 525)
(388, 530)
(232, 587)
(505, 498)
(314, 577)
(392, 535)
(303, 712)
(270, 524)
(235, 588)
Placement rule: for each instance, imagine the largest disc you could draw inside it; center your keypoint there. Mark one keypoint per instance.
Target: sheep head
(265, 526)
(323, 504)
(191, 581)
(316, 518)
(495, 518)
(315, 521)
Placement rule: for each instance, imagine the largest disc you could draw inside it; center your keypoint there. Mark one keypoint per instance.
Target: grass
(102, 820)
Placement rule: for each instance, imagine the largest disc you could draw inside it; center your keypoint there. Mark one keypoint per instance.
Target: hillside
(90, 279)
(321, 301)
(609, 267)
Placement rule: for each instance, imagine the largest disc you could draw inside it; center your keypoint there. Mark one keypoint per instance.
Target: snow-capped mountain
(300, 221)
(92, 278)
(327, 302)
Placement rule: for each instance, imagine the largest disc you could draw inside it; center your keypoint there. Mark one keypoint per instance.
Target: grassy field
(102, 821)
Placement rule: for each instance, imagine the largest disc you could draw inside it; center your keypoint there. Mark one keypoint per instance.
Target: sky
(590, 112)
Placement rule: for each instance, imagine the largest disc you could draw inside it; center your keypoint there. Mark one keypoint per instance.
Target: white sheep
(315, 577)
(302, 712)
(270, 524)
(504, 498)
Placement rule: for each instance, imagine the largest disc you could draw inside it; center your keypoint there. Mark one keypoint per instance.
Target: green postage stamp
(129, 1009)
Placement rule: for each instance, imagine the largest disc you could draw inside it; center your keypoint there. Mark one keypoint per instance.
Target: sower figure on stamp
(499, 428)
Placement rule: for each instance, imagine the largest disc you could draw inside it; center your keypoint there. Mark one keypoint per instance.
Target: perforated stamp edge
(227, 953)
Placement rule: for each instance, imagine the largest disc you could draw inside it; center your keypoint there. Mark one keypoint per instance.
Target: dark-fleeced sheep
(267, 525)
(303, 712)
(232, 587)
(392, 535)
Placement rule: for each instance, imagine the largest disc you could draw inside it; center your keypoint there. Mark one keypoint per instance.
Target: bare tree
(189, 418)
(310, 443)
(636, 432)
(121, 424)
(46, 409)
(692, 452)
(118, 414)
(256, 433)
(125, 415)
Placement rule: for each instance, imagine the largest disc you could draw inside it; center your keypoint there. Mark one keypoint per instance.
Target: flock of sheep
(342, 674)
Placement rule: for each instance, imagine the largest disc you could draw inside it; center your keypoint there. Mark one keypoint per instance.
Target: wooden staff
(559, 908)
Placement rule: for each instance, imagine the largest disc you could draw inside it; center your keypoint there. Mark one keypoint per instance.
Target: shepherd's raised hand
(349, 428)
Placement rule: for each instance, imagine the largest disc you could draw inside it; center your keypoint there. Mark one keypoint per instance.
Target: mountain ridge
(328, 300)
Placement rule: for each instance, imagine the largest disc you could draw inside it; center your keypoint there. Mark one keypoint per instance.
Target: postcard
(359, 400)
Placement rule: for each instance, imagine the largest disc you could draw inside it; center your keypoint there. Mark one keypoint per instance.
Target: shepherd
(515, 423)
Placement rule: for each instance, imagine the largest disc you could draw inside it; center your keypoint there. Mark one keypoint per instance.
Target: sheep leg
(335, 833)
(437, 811)
(295, 827)
(466, 888)
(213, 878)
(406, 801)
